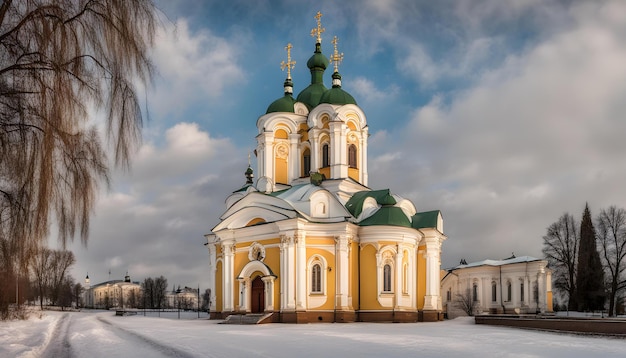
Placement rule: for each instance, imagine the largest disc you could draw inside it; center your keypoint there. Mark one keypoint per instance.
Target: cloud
(537, 136)
(366, 90)
(194, 65)
(153, 223)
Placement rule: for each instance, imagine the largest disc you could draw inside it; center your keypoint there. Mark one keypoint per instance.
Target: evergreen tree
(590, 275)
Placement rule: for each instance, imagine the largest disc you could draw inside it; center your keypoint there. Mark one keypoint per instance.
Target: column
(314, 137)
(293, 164)
(338, 147)
(301, 275)
(212, 269)
(287, 273)
(363, 164)
(399, 277)
(269, 292)
(229, 262)
(244, 294)
(432, 273)
(343, 272)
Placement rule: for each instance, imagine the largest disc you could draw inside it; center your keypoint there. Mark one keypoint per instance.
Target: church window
(352, 156)
(405, 278)
(306, 163)
(387, 278)
(325, 155)
(316, 279)
(494, 292)
(521, 287)
(475, 293)
(509, 288)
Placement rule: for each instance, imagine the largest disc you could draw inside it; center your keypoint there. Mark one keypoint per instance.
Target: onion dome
(285, 103)
(336, 95)
(317, 64)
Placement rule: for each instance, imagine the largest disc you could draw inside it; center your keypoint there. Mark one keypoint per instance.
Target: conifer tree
(590, 275)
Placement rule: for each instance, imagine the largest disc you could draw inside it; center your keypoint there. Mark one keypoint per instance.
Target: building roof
(508, 261)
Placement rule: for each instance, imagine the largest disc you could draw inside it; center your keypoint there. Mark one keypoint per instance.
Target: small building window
(306, 163)
(325, 155)
(494, 292)
(449, 295)
(509, 288)
(316, 279)
(352, 156)
(521, 288)
(475, 293)
(387, 278)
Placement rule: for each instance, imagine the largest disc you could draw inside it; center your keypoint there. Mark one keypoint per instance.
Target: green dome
(311, 95)
(283, 104)
(336, 95)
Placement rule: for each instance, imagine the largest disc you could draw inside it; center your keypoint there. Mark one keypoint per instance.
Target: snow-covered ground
(102, 334)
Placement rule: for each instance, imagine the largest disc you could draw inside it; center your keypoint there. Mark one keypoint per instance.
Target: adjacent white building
(513, 285)
(112, 294)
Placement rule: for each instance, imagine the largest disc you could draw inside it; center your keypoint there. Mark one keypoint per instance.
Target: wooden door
(258, 295)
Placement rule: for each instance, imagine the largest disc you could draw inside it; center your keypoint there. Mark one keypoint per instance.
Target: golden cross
(318, 31)
(289, 64)
(336, 57)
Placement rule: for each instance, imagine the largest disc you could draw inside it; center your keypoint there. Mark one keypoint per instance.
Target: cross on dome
(336, 57)
(289, 65)
(317, 32)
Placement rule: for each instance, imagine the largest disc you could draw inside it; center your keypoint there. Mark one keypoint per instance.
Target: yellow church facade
(309, 241)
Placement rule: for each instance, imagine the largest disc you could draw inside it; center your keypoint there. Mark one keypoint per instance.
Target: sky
(503, 115)
(93, 334)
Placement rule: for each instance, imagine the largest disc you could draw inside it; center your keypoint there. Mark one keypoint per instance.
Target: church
(309, 241)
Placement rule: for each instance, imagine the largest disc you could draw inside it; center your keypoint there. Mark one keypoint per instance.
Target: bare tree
(59, 60)
(611, 229)
(41, 269)
(465, 302)
(59, 264)
(560, 247)
(160, 287)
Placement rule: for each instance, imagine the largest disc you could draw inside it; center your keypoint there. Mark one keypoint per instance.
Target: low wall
(603, 326)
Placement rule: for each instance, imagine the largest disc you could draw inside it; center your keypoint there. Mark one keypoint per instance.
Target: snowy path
(102, 334)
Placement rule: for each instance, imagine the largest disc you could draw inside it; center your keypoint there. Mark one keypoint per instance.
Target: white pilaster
(363, 163)
(293, 164)
(301, 275)
(288, 273)
(229, 276)
(433, 252)
(338, 148)
(342, 243)
(212, 270)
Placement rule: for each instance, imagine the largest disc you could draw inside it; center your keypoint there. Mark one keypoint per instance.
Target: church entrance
(258, 296)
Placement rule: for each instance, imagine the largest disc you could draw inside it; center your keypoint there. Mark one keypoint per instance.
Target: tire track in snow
(161, 348)
(59, 345)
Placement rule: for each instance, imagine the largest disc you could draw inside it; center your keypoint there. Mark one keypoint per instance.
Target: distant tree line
(589, 262)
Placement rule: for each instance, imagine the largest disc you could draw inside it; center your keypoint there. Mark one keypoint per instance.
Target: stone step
(251, 318)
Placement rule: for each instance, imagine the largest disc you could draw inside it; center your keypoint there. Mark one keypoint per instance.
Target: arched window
(405, 278)
(316, 278)
(387, 278)
(325, 155)
(494, 292)
(475, 292)
(306, 163)
(352, 156)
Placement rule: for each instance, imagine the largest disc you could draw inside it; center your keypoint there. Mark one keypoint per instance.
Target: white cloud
(193, 66)
(537, 136)
(367, 91)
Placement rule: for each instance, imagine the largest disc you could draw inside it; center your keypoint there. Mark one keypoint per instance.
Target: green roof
(311, 95)
(382, 197)
(387, 215)
(336, 95)
(283, 104)
(427, 219)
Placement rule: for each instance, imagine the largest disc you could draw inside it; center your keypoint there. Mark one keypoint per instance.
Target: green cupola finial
(249, 172)
(289, 65)
(336, 95)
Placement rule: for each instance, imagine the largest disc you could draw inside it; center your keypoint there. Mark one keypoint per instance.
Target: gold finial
(289, 64)
(248, 158)
(317, 32)
(336, 57)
